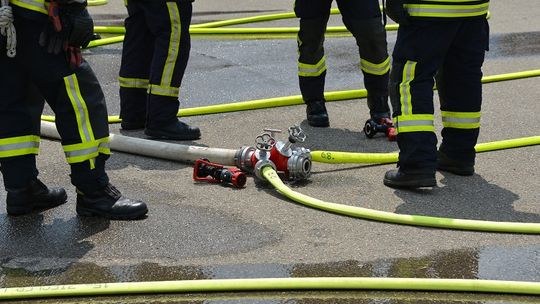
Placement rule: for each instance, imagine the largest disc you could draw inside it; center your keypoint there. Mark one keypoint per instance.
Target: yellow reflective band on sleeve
(79, 107)
(461, 120)
(405, 97)
(33, 5)
(174, 45)
(20, 145)
(374, 68)
(312, 70)
(78, 153)
(133, 83)
(163, 90)
(415, 123)
(447, 11)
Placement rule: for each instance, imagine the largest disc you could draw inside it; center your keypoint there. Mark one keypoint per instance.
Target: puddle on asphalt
(494, 263)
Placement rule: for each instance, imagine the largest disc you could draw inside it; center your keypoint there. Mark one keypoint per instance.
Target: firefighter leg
(135, 68)
(19, 131)
(460, 92)
(20, 109)
(81, 119)
(79, 105)
(314, 17)
(363, 20)
(411, 93)
(169, 23)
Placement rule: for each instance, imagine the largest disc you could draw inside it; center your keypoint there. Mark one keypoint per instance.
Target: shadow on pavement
(466, 198)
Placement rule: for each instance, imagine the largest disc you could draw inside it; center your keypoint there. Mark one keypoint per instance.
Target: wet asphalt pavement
(209, 231)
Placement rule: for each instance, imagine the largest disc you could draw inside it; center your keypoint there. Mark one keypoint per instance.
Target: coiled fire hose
(7, 29)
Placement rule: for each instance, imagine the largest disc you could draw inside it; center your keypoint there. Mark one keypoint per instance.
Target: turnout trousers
(76, 99)
(154, 58)
(363, 19)
(452, 53)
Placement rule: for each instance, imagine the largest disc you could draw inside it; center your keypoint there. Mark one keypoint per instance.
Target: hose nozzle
(206, 171)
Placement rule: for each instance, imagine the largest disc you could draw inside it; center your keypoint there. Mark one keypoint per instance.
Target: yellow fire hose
(236, 30)
(337, 157)
(273, 284)
(253, 19)
(211, 28)
(97, 2)
(405, 219)
(297, 99)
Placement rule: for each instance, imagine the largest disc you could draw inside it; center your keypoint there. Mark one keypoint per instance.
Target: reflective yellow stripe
(136, 83)
(33, 5)
(79, 107)
(409, 71)
(77, 153)
(174, 45)
(461, 120)
(415, 123)
(20, 145)
(375, 68)
(312, 70)
(447, 11)
(163, 90)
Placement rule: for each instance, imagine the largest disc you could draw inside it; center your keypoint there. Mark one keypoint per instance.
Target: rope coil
(7, 28)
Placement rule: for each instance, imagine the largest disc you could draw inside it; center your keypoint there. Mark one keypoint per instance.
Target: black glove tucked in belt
(70, 27)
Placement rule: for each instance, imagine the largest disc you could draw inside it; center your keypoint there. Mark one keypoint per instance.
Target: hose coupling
(299, 164)
(260, 165)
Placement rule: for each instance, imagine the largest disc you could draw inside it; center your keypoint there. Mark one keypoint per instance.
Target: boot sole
(14, 211)
(421, 183)
(92, 213)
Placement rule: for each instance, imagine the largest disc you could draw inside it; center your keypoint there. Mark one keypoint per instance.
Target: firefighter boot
(176, 131)
(316, 114)
(445, 163)
(35, 196)
(110, 203)
(398, 179)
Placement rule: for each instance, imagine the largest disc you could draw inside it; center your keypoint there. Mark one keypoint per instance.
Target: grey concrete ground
(209, 231)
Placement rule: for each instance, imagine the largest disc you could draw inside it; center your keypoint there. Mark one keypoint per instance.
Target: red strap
(74, 56)
(54, 16)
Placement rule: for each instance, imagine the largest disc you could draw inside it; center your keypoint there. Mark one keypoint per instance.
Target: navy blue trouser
(76, 99)
(363, 19)
(452, 52)
(154, 58)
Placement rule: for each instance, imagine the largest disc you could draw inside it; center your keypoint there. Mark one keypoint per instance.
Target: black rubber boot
(398, 179)
(444, 163)
(316, 114)
(177, 131)
(35, 196)
(109, 203)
